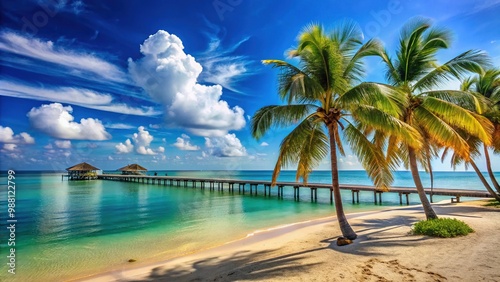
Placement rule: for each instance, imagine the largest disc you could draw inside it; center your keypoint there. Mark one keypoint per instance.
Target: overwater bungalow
(133, 169)
(82, 171)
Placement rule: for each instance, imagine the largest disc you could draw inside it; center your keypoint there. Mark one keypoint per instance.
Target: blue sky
(173, 84)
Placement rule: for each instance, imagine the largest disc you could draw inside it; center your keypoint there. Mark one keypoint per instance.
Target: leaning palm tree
(321, 102)
(474, 144)
(487, 85)
(433, 113)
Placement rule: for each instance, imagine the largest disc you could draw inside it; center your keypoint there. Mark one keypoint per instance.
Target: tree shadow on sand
(375, 235)
(245, 265)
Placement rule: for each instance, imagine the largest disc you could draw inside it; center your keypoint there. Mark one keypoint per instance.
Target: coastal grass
(493, 203)
(442, 227)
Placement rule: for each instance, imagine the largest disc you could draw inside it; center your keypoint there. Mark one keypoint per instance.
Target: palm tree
(487, 85)
(435, 114)
(474, 144)
(321, 102)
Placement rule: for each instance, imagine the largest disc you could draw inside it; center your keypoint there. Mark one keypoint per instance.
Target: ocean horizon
(73, 229)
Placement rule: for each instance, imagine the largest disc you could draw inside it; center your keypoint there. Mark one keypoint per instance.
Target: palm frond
(381, 96)
(469, 61)
(467, 100)
(305, 145)
(278, 116)
(439, 131)
(388, 124)
(370, 156)
(354, 66)
(459, 117)
(294, 84)
(314, 149)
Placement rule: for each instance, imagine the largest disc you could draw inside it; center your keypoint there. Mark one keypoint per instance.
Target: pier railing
(218, 183)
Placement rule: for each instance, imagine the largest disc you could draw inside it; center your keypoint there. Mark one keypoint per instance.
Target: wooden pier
(218, 183)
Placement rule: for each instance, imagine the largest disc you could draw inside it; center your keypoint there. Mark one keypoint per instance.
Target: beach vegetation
(440, 116)
(323, 98)
(493, 203)
(442, 227)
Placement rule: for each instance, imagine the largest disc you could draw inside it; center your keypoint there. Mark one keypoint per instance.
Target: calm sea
(70, 229)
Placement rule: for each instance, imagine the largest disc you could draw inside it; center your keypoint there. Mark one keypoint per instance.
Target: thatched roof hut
(133, 169)
(82, 167)
(82, 171)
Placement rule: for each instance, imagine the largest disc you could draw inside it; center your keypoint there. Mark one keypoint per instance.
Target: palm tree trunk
(483, 180)
(346, 229)
(429, 212)
(490, 171)
(431, 175)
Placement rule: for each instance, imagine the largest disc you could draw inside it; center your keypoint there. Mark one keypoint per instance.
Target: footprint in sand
(382, 271)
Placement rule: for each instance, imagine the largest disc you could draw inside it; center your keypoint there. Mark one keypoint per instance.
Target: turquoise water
(67, 230)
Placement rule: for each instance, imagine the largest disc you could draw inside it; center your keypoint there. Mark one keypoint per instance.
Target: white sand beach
(384, 251)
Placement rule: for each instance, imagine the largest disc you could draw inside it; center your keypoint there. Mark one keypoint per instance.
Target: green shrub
(442, 227)
(493, 203)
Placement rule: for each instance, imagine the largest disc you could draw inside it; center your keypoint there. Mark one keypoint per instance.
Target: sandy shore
(384, 251)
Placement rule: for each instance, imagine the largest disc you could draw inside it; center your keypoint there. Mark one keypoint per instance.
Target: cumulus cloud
(184, 143)
(170, 77)
(63, 144)
(56, 120)
(264, 144)
(124, 148)
(141, 142)
(225, 146)
(7, 136)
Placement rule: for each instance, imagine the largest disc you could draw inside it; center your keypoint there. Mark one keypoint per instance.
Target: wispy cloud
(74, 7)
(220, 65)
(72, 95)
(119, 126)
(483, 5)
(46, 51)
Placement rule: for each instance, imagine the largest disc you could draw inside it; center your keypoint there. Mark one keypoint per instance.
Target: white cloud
(63, 144)
(9, 147)
(56, 120)
(110, 158)
(72, 95)
(184, 143)
(226, 146)
(141, 150)
(119, 126)
(7, 136)
(220, 66)
(41, 50)
(124, 148)
(140, 142)
(170, 77)
(264, 144)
